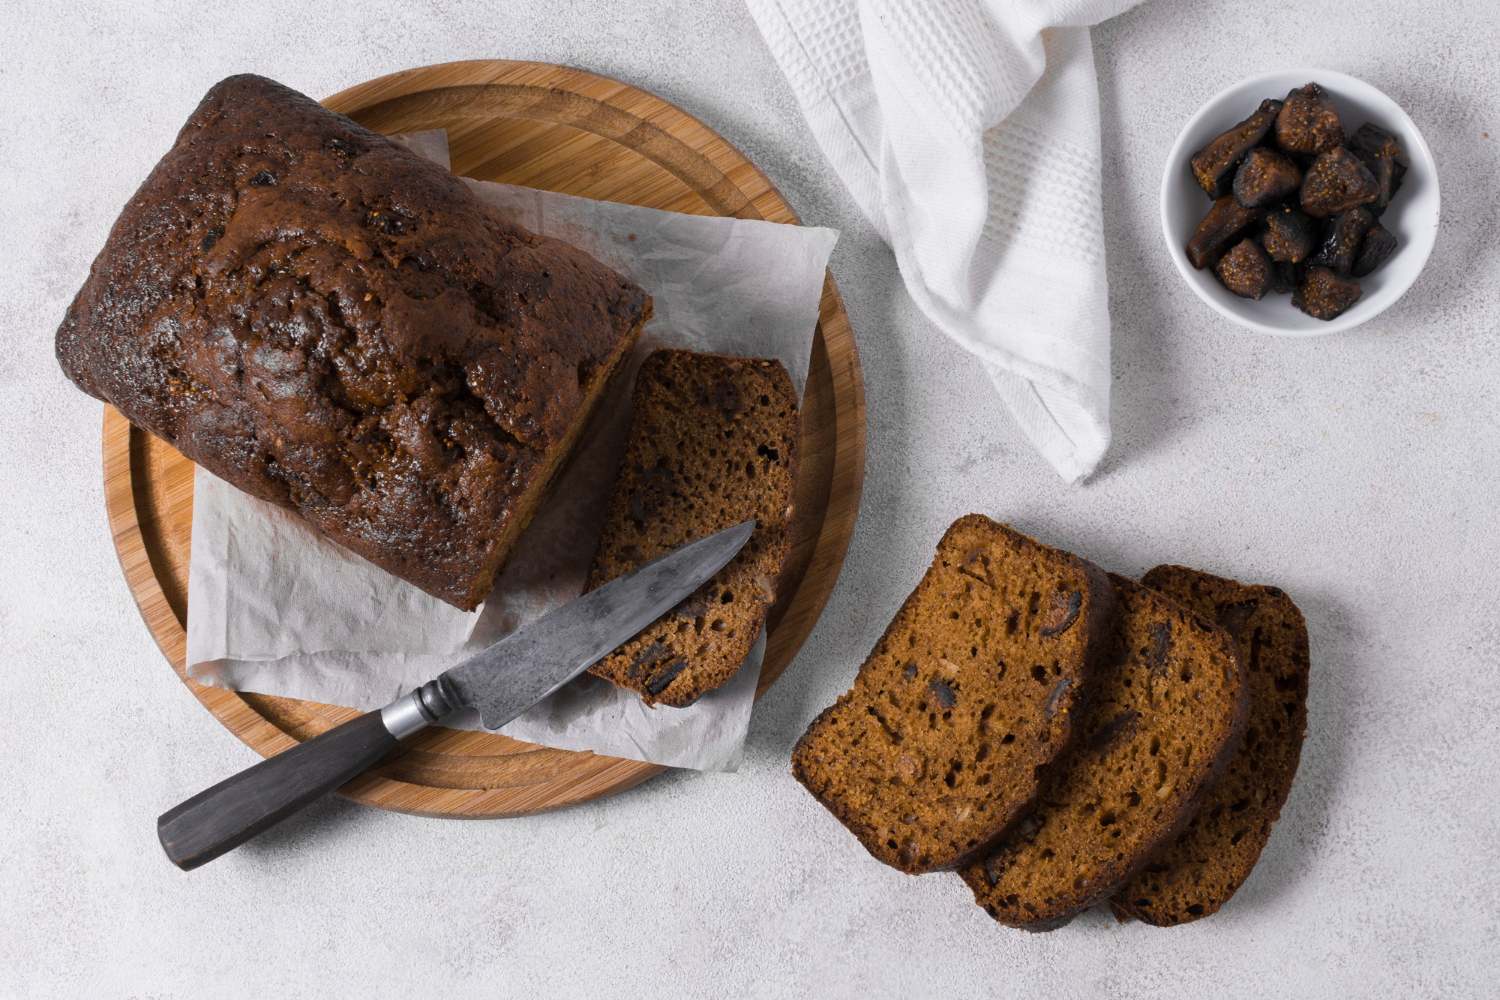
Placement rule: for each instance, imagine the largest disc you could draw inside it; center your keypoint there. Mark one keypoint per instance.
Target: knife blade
(501, 681)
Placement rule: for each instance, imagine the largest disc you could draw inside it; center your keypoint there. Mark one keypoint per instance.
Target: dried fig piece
(1377, 246)
(1246, 270)
(1324, 295)
(1062, 613)
(1290, 235)
(1308, 122)
(1336, 182)
(1379, 151)
(1265, 176)
(1371, 138)
(1213, 165)
(1286, 276)
(1341, 244)
(1222, 223)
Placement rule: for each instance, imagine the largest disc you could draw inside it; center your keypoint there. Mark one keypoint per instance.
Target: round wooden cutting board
(563, 130)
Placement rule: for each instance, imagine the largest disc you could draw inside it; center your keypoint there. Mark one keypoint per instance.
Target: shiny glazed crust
(334, 324)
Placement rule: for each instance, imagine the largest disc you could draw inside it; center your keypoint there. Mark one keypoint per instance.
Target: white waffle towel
(968, 132)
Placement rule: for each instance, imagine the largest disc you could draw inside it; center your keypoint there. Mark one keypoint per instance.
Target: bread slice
(1166, 715)
(976, 687)
(712, 442)
(1208, 861)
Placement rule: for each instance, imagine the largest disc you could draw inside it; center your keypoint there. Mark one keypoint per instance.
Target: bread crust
(712, 442)
(1196, 873)
(1070, 853)
(333, 324)
(858, 781)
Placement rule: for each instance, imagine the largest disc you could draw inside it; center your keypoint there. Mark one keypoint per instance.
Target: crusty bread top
(1200, 869)
(334, 324)
(974, 689)
(1167, 713)
(712, 442)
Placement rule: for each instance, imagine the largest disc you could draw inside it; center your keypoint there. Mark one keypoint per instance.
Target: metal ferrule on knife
(419, 708)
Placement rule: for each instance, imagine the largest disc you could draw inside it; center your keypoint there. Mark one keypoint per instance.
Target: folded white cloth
(968, 132)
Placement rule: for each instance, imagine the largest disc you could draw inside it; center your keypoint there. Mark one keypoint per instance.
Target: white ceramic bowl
(1412, 216)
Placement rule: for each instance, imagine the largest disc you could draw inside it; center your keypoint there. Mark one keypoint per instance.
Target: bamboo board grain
(564, 130)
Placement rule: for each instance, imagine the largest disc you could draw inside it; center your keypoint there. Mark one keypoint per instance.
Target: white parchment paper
(275, 608)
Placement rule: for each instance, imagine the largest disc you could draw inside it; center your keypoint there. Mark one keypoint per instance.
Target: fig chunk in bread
(975, 688)
(1208, 861)
(1167, 713)
(712, 442)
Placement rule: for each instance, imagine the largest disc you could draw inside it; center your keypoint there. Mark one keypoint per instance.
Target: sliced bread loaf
(712, 442)
(1207, 862)
(974, 689)
(1167, 713)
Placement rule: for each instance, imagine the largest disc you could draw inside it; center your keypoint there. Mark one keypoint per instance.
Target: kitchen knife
(501, 681)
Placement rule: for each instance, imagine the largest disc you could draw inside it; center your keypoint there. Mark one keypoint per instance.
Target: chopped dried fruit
(1289, 236)
(1324, 295)
(1308, 122)
(1222, 224)
(1300, 214)
(1341, 243)
(1377, 246)
(1213, 165)
(1062, 612)
(1371, 138)
(1265, 176)
(1336, 182)
(1287, 277)
(1245, 270)
(1380, 152)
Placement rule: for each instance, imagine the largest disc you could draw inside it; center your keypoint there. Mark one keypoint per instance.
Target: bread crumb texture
(975, 688)
(712, 443)
(1169, 708)
(1204, 865)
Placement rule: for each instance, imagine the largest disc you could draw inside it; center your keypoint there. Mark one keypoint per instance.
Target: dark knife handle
(221, 818)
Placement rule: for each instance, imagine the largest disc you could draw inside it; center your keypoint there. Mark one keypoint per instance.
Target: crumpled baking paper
(276, 608)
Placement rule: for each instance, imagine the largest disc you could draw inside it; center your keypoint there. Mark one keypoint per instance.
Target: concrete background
(1356, 471)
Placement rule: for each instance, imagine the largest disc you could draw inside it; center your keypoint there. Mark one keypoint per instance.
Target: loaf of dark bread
(975, 688)
(1208, 861)
(1167, 713)
(712, 443)
(334, 324)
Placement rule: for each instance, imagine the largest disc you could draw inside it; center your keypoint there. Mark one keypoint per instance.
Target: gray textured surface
(1358, 472)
